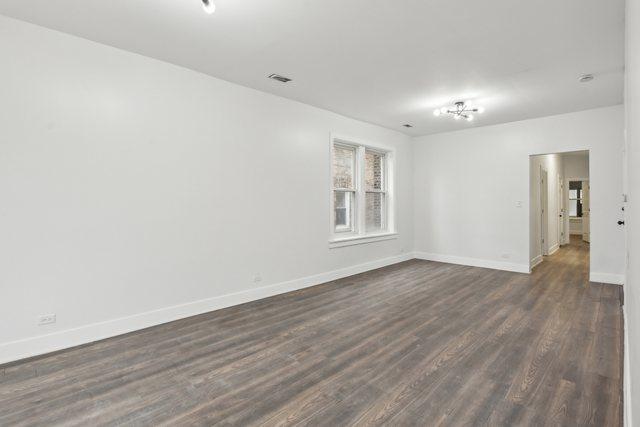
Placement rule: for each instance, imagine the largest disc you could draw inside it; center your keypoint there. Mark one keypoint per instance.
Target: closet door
(586, 214)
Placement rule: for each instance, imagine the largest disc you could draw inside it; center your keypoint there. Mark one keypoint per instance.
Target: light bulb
(444, 110)
(480, 110)
(457, 117)
(470, 117)
(208, 6)
(436, 113)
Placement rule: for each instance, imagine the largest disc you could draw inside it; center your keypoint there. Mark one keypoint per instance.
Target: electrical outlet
(47, 319)
(519, 204)
(257, 278)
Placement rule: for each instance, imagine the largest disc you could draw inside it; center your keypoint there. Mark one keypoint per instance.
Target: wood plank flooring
(417, 343)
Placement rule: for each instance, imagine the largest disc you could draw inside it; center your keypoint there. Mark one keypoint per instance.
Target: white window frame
(346, 231)
(359, 235)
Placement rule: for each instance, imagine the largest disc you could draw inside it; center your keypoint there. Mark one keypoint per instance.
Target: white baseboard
(615, 279)
(43, 344)
(626, 386)
(537, 260)
(554, 249)
(474, 262)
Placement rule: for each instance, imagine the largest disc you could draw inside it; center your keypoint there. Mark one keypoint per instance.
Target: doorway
(579, 210)
(559, 203)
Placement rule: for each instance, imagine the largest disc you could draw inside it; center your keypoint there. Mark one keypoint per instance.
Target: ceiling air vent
(280, 78)
(585, 78)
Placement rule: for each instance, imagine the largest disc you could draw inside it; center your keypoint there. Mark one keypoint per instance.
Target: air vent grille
(280, 78)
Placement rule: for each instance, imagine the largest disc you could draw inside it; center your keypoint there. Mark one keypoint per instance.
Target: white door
(560, 211)
(544, 216)
(586, 211)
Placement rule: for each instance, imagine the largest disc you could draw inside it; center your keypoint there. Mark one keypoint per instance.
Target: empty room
(337, 213)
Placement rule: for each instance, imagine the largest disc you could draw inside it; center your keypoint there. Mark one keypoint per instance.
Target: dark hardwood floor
(417, 343)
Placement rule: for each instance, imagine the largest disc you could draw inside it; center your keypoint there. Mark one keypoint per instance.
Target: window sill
(360, 240)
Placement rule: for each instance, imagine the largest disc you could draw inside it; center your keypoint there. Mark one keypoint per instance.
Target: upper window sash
(354, 168)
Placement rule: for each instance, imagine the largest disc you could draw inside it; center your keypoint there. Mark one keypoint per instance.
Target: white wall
(575, 226)
(134, 192)
(467, 185)
(576, 165)
(632, 169)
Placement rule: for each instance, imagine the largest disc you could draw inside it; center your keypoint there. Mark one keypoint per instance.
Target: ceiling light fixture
(585, 78)
(460, 110)
(208, 6)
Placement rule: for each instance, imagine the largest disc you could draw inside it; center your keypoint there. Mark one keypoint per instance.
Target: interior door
(560, 211)
(544, 216)
(586, 211)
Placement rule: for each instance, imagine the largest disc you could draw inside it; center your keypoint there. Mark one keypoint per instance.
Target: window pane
(573, 208)
(374, 171)
(343, 166)
(343, 208)
(375, 211)
(575, 189)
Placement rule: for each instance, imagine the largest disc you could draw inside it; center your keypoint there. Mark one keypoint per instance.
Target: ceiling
(384, 62)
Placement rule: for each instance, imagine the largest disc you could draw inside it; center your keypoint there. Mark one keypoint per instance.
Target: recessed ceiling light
(208, 6)
(585, 78)
(280, 78)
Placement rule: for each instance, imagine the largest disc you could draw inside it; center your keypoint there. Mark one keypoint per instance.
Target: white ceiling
(385, 62)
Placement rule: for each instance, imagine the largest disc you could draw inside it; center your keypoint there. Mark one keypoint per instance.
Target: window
(375, 191)
(344, 189)
(361, 200)
(575, 198)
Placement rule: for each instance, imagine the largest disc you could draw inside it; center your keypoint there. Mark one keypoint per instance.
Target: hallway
(573, 257)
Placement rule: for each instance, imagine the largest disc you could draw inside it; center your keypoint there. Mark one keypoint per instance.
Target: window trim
(359, 234)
